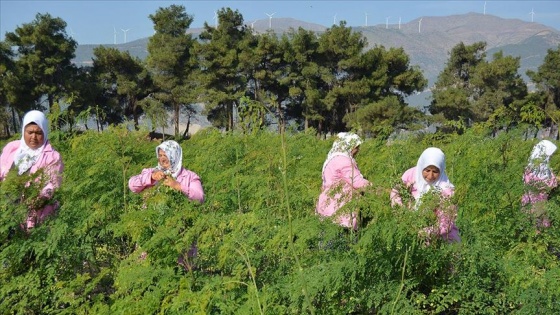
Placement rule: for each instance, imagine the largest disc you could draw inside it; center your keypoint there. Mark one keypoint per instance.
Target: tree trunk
(281, 121)
(135, 115)
(230, 116)
(188, 126)
(14, 119)
(176, 112)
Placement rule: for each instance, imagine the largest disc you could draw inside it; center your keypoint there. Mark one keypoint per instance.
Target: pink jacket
(340, 178)
(540, 187)
(446, 229)
(52, 162)
(537, 191)
(191, 185)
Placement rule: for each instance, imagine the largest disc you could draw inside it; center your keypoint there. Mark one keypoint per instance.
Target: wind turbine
(253, 26)
(270, 19)
(366, 18)
(484, 7)
(114, 35)
(387, 22)
(419, 25)
(532, 14)
(124, 31)
(334, 20)
(399, 22)
(215, 18)
(71, 32)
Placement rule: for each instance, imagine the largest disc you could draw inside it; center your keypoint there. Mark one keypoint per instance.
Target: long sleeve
(446, 227)
(341, 178)
(7, 157)
(54, 170)
(191, 185)
(141, 181)
(530, 179)
(51, 163)
(408, 180)
(352, 176)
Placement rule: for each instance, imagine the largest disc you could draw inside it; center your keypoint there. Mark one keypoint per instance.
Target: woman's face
(430, 174)
(163, 160)
(33, 136)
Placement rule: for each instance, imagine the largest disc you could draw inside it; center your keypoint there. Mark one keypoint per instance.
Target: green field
(262, 249)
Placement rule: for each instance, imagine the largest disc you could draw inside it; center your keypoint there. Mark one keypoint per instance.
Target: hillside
(427, 40)
(430, 47)
(84, 53)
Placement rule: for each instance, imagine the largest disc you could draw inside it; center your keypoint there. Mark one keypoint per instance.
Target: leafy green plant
(260, 246)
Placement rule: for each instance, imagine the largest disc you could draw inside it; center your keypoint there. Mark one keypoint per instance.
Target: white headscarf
(343, 145)
(539, 161)
(25, 156)
(174, 153)
(435, 157)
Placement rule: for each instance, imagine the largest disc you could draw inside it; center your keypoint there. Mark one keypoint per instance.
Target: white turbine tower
(253, 26)
(270, 19)
(215, 18)
(419, 25)
(114, 35)
(399, 22)
(532, 14)
(484, 7)
(387, 22)
(366, 18)
(334, 20)
(71, 33)
(124, 31)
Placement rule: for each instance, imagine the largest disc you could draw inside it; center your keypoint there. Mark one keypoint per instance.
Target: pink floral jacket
(341, 178)
(51, 161)
(446, 222)
(191, 185)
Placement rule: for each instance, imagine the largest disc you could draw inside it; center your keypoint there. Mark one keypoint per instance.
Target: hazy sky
(103, 21)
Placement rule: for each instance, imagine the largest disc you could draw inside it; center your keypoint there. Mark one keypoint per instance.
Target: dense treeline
(332, 81)
(262, 250)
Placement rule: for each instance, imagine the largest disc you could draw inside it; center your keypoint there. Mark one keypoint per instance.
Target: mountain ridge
(427, 40)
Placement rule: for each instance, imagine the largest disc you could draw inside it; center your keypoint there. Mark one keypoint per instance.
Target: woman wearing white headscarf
(429, 174)
(169, 172)
(539, 179)
(29, 155)
(341, 179)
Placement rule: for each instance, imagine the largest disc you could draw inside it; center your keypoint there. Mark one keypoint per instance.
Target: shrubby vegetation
(262, 250)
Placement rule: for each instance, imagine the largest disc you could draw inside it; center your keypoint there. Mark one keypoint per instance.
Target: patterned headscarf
(539, 161)
(343, 145)
(174, 153)
(25, 156)
(435, 157)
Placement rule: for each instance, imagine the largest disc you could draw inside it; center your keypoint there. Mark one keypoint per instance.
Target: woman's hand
(169, 181)
(158, 175)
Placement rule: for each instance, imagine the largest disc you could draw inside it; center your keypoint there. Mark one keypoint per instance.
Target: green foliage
(169, 62)
(261, 248)
(471, 89)
(547, 83)
(43, 60)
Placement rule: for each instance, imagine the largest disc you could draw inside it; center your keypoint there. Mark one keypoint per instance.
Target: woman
(29, 155)
(341, 179)
(539, 179)
(429, 174)
(169, 172)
